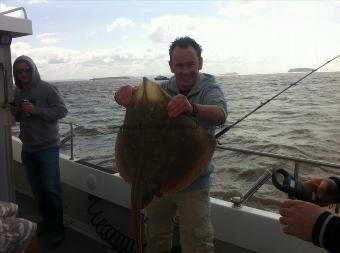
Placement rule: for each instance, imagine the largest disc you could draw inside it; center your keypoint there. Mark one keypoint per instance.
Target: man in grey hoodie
(198, 95)
(38, 106)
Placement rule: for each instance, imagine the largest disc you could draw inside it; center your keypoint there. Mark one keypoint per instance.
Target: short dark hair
(184, 42)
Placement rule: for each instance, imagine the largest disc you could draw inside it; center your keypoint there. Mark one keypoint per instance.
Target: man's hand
(27, 107)
(299, 218)
(124, 95)
(325, 190)
(179, 104)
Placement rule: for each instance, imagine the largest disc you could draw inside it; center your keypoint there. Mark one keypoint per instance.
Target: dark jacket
(326, 230)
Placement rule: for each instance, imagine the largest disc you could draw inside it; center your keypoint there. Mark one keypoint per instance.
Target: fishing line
(226, 129)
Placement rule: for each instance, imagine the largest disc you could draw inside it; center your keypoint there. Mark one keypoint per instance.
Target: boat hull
(240, 230)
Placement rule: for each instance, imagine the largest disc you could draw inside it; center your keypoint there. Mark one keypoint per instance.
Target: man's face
(24, 73)
(185, 64)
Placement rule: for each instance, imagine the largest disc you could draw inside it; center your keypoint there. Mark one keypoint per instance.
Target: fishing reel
(285, 182)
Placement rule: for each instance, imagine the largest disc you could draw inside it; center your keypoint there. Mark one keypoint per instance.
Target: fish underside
(157, 154)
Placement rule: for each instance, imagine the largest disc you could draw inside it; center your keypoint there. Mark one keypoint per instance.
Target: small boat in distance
(230, 74)
(301, 70)
(161, 78)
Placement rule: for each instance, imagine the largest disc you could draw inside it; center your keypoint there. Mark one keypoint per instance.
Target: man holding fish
(196, 95)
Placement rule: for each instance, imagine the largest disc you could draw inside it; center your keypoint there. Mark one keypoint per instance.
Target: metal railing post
(68, 137)
(296, 171)
(71, 128)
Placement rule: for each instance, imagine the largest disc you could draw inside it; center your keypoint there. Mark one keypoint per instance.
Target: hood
(35, 72)
(202, 78)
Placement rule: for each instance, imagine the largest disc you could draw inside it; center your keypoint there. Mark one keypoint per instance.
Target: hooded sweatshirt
(206, 92)
(326, 229)
(38, 130)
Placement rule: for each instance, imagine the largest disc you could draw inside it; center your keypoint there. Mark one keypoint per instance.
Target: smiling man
(198, 95)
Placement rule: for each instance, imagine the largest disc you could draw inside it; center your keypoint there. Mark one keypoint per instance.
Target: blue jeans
(42, 171)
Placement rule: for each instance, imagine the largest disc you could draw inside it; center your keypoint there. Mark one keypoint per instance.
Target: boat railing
(14, 10)
(238, 201)
(68, 137)
(297, 160)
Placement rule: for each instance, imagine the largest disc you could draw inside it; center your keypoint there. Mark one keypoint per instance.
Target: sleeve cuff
(337, 182)
(326, 231)
(317, 228)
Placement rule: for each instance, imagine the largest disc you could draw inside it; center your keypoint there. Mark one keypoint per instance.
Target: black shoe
(41, 229)
(56, 238)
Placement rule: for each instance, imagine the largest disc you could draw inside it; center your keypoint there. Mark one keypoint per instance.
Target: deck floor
(78, 242)
(74, 241)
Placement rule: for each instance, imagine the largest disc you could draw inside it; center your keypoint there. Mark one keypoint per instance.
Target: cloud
(119, 23)
(49, 38)
(37, 1)
(288, 11)
(241, 36)
(165, 28)
(264, 36)
(20, 47)
(58, 63)
(54, 63)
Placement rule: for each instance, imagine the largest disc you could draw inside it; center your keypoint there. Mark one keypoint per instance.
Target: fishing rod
(226, 129)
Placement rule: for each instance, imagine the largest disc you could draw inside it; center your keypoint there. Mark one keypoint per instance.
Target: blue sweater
(206, 92)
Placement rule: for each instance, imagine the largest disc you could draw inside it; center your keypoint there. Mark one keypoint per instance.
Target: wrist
(194, 110)
(318, 228)
(337, 182)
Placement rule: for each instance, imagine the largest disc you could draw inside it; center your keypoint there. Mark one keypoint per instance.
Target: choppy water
(303, 122)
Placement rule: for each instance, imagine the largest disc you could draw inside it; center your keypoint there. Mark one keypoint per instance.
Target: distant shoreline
(110, 77)
(301, 70)
(151, 77)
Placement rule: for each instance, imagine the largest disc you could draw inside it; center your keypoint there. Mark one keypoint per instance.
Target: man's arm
(326, 229)
(299, 218)
(210, 113)
(214, 107)
(178, 104)
(56, 108)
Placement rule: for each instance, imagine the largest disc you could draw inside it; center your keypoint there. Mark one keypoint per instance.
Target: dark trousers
(42, 171)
